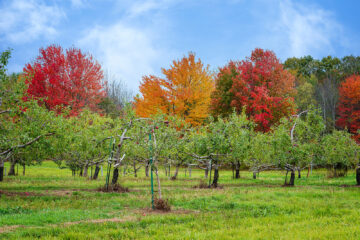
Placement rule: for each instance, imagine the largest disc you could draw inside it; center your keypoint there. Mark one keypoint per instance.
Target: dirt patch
(350, 186)
(22, 194)
(61, 192)
(203, 185)
(125, 219)
(70, 192)
(150, 211)
(13, 227)
(9, 228)
(162, 205)
(113, 188)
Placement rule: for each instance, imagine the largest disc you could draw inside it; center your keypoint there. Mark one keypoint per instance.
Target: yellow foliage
(185, 91)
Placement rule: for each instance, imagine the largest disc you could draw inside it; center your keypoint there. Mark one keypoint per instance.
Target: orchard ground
(49, 203)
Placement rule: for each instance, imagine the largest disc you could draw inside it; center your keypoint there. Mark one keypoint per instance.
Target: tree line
(256, 113)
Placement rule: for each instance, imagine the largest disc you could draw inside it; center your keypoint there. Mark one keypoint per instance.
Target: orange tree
(184, 91)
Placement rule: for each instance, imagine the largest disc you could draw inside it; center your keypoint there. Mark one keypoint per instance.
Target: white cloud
(26, 20)
(127, 49)
(77, 3)
(127, 52)
(308, 30)
(142, 7)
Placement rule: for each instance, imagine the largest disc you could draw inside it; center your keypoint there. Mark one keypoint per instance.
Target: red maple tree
(349, 105)
(260, 84)
(60, 79)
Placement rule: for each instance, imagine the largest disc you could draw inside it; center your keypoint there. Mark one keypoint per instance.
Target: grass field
(49, 203)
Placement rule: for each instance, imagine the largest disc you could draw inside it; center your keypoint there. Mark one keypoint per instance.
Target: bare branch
(293, 128)
(4, 111)
(26, 144)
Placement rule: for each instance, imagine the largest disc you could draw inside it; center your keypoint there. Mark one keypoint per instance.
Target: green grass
(316, 208)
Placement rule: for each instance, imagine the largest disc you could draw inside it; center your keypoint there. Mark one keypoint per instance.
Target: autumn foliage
(349, 105)
(260, 84)
(59, 79)
(184, 91)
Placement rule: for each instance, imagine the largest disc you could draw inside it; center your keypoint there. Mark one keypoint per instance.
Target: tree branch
(25, 144)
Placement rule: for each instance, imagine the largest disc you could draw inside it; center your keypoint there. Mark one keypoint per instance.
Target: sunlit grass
(316, 208)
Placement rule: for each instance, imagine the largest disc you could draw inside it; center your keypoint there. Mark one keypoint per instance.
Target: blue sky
(132, 38)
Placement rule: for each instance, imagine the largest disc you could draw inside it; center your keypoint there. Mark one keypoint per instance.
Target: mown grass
(316, 208)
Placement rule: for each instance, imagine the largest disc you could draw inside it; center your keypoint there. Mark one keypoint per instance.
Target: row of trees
(266, 88)
(46, 114)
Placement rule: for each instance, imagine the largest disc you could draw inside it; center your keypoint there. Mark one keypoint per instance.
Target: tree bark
(299, 173)
(216, 177)
(307, 175)
(85, 173)
(12, 168)
(135, 170)
(81, 172)
(206, 173)
(254, 175)
(115, 176)
(147, 170)
(287, 171)
(237, 170)
(176, 172)
(358, 175)
(233, 170)
(96, 173)
(292, 178)
(24, 169)
(1, 170)
(166, 170)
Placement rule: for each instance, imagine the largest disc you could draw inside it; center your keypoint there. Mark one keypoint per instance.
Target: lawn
(49, 203)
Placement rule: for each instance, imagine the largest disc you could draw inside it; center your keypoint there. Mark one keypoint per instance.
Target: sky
(133, 38)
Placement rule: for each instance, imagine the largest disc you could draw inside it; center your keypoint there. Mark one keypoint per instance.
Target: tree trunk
(237, 169)
(135, 170)
(307, 175)
(176, 172)
(190, 171)
(115, 176)
(96, 173)
(12, 168)
(358, 175)
(287, 171)
(233, 170)
(24, 169)
(254, 175)
(85, 173)
(216, 177)
(1, 170)
(292, 178)
(166, 170)
(147, 170)
(206, 173)
(299, 173)
(81, 172)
